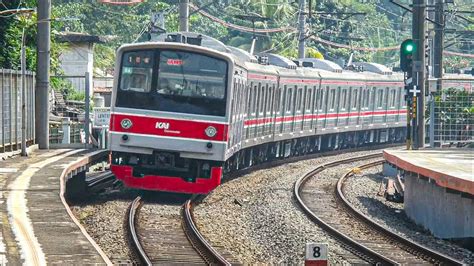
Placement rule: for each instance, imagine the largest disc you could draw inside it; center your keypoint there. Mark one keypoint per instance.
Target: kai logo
(162, 125)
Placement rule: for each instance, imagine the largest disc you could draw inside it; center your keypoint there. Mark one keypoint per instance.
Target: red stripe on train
(316, 116)
(168, 127)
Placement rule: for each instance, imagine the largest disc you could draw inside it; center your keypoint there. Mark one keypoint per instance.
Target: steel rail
(133, 233)
(414, 248)
(359, 249)
(200, 244)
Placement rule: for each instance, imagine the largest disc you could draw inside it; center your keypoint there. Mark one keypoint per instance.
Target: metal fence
(454, 113)
(10, 109)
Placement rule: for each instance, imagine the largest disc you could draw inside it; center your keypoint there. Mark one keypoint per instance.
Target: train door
(331, 113)
(260, 109)
(386, 103)
(308, 107)
(379, 114)
(352, 110)
(253, 110)
(299, 118)
(391, 113)
(288, 119)
(276, 109)
(372, 104)
(344, 97)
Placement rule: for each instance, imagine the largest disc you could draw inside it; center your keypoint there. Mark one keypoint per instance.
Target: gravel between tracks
(103, 218)
(361, 190)
(257, 219)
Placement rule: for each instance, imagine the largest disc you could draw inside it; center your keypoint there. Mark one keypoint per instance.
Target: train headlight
(126, 123)
(211, 131)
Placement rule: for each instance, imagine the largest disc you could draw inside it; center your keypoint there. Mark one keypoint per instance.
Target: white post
(66, 125)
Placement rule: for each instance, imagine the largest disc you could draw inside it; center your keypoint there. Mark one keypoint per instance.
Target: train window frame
(354, 96)
(343, 98)
(289, 96)
(299, 99)
(332, 99)
(393, 95)
(268, 107)
(254, 93)
(379, 99)
(308, 99)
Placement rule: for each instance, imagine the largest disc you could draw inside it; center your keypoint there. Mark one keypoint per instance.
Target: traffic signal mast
(407, 48)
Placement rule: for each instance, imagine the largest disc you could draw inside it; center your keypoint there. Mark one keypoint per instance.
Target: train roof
(279, 63)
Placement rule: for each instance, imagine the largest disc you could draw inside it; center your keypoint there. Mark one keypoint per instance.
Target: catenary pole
(419, 70)
(437, 60)
(301, 29)
(183, 15)
(42, 77)
(23, 95)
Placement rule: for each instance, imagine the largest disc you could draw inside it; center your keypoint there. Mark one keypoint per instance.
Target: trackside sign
(101, 116)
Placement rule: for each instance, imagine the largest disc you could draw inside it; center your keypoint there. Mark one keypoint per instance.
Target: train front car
(169, 120)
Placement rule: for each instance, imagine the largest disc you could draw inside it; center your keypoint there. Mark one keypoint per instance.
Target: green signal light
(409, 48)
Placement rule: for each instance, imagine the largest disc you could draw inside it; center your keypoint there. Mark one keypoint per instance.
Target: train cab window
(183, 82)
(136, 72)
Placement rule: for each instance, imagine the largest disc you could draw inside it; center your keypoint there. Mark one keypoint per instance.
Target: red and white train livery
(186, 109)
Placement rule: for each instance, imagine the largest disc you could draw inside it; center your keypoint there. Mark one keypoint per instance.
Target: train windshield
(173, 81)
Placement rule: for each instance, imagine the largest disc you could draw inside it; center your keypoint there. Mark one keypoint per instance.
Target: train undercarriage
(167, 171)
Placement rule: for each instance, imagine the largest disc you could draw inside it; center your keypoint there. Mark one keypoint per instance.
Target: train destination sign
(101, 116)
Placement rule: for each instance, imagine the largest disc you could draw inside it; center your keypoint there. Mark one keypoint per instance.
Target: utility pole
(419, 67)
(183, 15)
(23, 95)
(437, 62)
(301, 29)
(42, 76)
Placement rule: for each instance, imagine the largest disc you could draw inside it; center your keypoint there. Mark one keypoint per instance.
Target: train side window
(332, 99)
(276, 108)
(254, 99)
(379, 98)
(343, 99)
(393, 94)
(309, 96)
(288, 100)
(269, 99)
(355, 94)
(298, 99)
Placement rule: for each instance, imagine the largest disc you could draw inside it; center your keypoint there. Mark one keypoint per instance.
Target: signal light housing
(407, 49)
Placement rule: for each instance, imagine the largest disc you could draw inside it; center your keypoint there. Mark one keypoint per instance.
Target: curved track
(180, 243)
(357, 233)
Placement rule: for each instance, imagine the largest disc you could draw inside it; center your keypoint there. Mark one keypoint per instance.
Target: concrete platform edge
(72, 166)
(443, 180)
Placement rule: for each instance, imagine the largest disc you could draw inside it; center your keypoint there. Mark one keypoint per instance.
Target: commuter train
(186, 109)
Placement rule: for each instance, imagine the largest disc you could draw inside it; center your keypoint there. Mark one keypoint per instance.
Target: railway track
(179, 243)
(358, 233)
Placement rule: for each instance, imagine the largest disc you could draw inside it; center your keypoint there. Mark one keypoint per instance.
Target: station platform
(439, 189)
(37, 226)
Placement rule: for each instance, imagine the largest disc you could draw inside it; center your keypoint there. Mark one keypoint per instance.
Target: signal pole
(183, 15)
(301, 29)
(42, 77)
(438, 48)
(419, 67)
